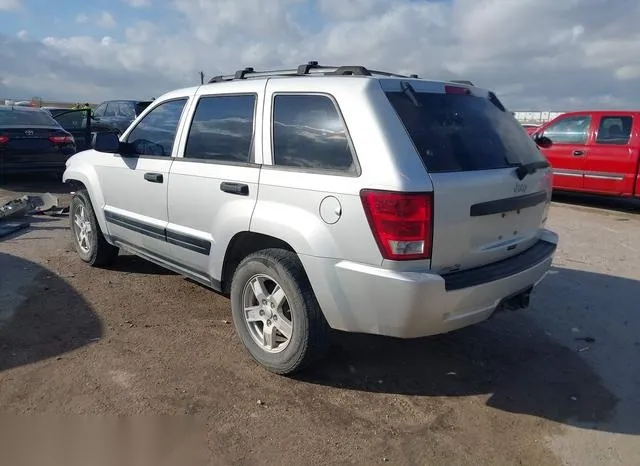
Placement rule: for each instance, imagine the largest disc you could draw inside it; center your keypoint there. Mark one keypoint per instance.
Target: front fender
(79, 169)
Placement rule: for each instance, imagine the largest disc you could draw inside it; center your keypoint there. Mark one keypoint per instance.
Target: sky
(556, 55)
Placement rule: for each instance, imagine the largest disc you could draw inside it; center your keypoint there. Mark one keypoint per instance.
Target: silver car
(324, 198)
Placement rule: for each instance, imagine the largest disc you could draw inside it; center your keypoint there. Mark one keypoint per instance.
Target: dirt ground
(555, 384)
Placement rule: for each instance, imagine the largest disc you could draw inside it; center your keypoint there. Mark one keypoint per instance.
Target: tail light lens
(62, 139)
(402, 223)
(4, 139)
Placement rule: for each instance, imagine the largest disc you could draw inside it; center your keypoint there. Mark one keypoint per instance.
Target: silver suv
(325, 198)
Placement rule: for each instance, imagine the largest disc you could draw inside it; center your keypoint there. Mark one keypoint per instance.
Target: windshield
(458, 132)
(20, 117)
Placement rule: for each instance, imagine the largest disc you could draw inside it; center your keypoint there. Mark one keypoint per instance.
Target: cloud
(7, 5)
(536, 54)
(82, 18)
(106, 20)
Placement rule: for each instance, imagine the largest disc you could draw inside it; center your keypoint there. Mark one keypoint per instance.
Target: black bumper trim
(533, 256)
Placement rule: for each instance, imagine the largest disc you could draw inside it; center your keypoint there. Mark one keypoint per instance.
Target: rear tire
(86, 235)
(283, 329)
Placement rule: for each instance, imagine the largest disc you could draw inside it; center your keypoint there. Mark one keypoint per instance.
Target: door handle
(154, 177)
(578, 153)
(234, 188)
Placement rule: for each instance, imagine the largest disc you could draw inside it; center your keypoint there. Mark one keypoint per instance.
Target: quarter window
(222, 129)
(614, 130)
(156, 132)
(569, 130)
(308, 132)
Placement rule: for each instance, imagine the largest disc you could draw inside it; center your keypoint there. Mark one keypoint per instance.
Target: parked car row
(31, 138)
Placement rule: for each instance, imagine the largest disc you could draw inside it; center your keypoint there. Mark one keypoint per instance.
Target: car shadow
(41, 316)
(515, 357)
(617, 204)
(130, 263)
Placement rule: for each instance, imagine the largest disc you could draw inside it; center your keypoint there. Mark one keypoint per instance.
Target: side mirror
(106, 142)
(543, 142)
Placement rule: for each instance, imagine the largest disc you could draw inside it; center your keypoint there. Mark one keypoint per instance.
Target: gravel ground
(555, 384)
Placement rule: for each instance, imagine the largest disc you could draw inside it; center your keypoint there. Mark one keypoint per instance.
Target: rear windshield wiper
(409, 91)
(525, 169)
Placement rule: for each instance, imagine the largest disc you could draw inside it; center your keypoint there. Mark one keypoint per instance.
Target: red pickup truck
(593, 151)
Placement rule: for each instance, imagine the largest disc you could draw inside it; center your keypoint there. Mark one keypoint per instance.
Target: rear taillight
(61, 139)
(402, 223)
(4, 139)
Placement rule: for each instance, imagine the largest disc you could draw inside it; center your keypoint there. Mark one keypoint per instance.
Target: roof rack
(307, 69)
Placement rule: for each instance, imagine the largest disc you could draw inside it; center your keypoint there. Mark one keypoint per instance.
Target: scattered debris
(226, 322)
(260, 403)
(452, 373)
(385, 460)
(573, 398)
(583, 349)
(575, 330)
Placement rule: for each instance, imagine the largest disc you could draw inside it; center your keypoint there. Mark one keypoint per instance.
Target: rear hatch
(492, 186)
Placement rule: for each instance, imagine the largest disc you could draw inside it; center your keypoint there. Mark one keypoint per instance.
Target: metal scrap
(42, 204)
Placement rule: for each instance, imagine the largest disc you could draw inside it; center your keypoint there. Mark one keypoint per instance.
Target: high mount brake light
(401, 223)
(457, 90)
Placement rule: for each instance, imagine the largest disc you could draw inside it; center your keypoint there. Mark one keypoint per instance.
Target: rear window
(457, 132)
(20, 117)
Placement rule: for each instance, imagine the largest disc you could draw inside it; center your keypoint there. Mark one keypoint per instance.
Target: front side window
(222, 129)
(156, 132)
(614, 130)
(569, 130)
(308, 132)
(111, 109)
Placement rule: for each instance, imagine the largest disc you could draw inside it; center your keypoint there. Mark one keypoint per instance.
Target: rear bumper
(365, 299)
(56, 164)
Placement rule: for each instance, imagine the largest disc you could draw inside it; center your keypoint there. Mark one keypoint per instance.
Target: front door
(610, 164)
(569, 136)
(78, 123)
(135, 184)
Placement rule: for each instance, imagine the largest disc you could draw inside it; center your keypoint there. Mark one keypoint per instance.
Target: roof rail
(307, 69)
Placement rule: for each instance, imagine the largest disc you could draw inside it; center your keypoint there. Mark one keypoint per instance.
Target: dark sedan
(31, 140)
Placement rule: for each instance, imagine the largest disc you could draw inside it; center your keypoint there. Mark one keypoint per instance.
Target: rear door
(78, 123)
(610, 163)
(570, 136)
(213, 184)
(471, 146)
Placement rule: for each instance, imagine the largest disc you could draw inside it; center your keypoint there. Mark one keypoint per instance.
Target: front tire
(275, 312)
(87, 238)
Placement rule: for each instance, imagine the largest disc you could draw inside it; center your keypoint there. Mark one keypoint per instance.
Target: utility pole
(202, 77)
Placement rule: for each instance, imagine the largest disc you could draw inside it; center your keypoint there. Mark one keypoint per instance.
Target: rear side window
(222, 129)
(14, 116)
(569, 130)
(614, 130)
(308, 132)
(457, 132)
